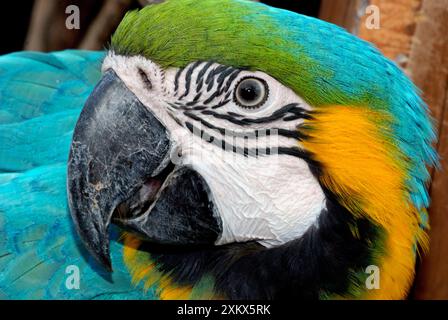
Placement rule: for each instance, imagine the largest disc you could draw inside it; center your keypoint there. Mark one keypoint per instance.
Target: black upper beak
(119, 163)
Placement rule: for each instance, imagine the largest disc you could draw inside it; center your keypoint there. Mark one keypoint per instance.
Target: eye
(251, 93)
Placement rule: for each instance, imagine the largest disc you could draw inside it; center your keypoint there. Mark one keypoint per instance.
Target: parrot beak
(119, 171)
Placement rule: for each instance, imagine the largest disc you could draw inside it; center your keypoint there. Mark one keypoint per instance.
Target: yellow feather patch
(143, 269)
(365, 169)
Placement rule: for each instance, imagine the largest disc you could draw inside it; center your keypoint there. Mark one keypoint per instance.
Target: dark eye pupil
(249, 92)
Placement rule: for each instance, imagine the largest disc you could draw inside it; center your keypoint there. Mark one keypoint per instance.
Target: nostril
(145, 78)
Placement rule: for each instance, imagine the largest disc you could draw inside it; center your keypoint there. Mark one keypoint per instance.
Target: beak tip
(103, 258)
(97, 244)
(107, 264)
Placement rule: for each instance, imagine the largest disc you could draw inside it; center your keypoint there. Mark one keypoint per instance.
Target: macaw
(217, 150)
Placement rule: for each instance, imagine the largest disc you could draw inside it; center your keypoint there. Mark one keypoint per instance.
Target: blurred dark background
(40, 24)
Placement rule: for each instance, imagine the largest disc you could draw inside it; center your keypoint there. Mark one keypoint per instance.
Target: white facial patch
(261, 185)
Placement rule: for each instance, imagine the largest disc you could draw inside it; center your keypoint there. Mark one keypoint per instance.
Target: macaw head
(265, 153)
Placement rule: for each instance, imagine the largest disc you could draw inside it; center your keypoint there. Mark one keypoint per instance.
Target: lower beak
(119, 171)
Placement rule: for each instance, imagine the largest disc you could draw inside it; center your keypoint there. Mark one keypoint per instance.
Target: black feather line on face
(253, 152)
(188, 75)
(288, 112)
(255, 133)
